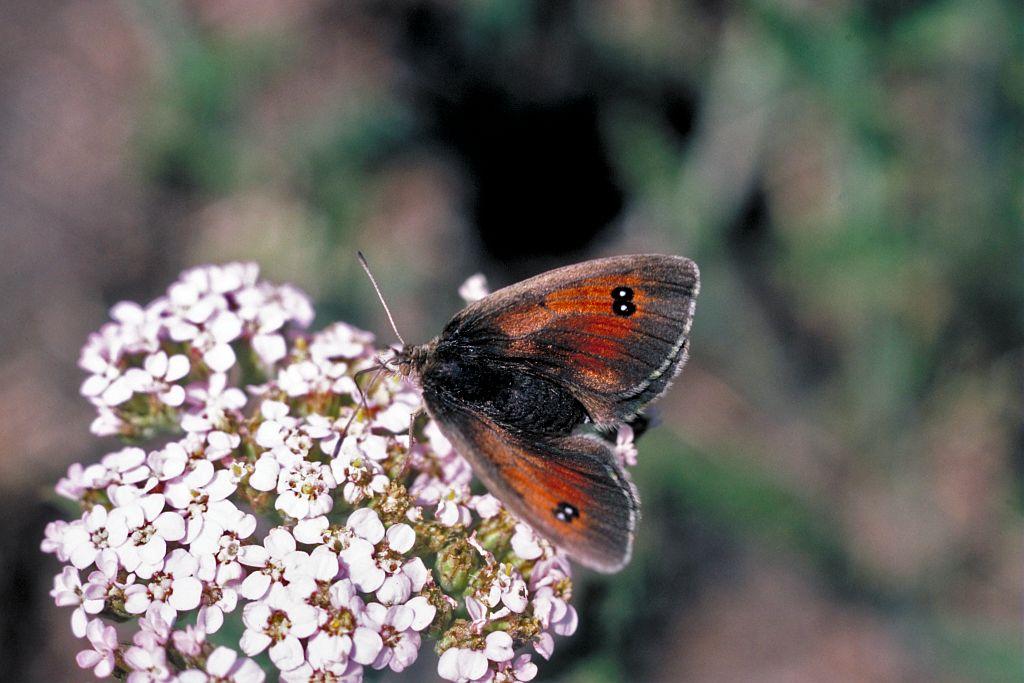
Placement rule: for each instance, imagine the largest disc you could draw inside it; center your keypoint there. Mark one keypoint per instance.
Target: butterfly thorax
(411, 359)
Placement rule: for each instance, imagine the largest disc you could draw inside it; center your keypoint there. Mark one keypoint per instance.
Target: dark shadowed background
(834, 491)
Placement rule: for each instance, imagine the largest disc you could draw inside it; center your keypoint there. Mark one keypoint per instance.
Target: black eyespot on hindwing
(564, 512)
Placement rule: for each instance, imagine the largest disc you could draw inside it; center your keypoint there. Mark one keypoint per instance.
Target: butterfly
(519, 380)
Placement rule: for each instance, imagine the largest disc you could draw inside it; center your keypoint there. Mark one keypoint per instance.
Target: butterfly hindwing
(569, 488)
(613, 331)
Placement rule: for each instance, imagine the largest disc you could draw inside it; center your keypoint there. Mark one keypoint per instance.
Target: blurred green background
(834, 491)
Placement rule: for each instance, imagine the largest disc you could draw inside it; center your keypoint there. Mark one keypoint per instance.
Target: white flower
(356, 468)
(104, 648)
(525, 543)
(148, 529)
(189, 641)
(278, 622)
(213, 402)
(92, 540)
(223, 664)
(175, 585)
(158, 375)
(224, 529)
(344, 633)
(465, 664)
(67, 590)
(277, 561)
(381, 565)
(398, 626)
(53, 539)
(305, 490)
(522, 669)
(148, 665)
(199, 494)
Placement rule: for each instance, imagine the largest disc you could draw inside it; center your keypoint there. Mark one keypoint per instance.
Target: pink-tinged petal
(173, 397)
(401, 617)
(83, 555)
(287, 653)
(87, 659)
(136, 601)
(65, 598)
(341, 593)
(304, 620)
(544, 645)
(395, 590)
(93, 386)
(154, 551)
(187, 593)
(417, 572)
(253, 643)
(279, 542)
(255, 586)
(310, 531)
(476, 609)
(105, 667)
(248, 672)
(269, 347)
(106, 562)
(170, 526)
(79, 622)
(567, 626)
(423, 612)
(525, 669)
(253, 555)
(220, 661)
(367, 576)
(177, 368)
(152, 505)
(383, 658)
(367, 525)
(448, 665)
(118, 392)
(210, 618)
(264, 476)
(181, 563)
(498, 646)
(220, 358)
(324, 649)
(255, 615)
(401, 538)
(405, 652)
(222, 486)
(366, 645)
(472, 664)
(323, 565)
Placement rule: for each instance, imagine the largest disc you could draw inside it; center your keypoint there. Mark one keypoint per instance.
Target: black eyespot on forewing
(623, 308)
(622, 294)
(564, 512)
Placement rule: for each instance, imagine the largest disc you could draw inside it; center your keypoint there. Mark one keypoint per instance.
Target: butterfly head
(408, 361)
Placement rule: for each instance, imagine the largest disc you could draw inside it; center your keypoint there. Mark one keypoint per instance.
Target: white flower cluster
(238, 528)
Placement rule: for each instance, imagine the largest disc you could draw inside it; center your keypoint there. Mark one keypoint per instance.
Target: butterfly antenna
(363, 396)
(366, 267)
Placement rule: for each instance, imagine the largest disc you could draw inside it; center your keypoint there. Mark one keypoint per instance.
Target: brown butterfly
(513, 378)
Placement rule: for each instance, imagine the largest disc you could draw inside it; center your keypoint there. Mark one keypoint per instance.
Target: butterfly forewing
(612, 331)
